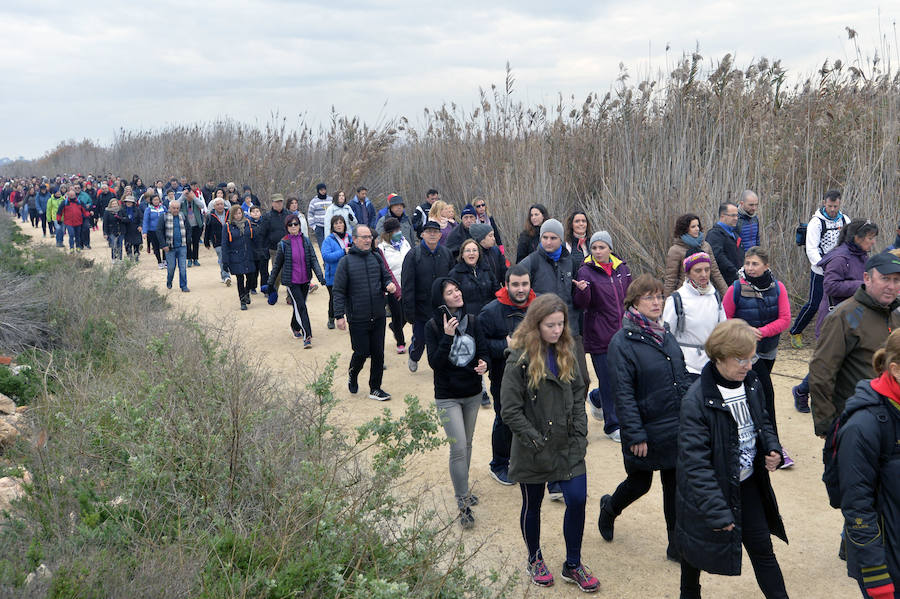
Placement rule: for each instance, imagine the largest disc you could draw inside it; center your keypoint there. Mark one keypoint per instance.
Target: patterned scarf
(653, 329)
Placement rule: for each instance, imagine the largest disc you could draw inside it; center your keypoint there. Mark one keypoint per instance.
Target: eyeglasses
(364, 237)
(747, 362)
(650, 298)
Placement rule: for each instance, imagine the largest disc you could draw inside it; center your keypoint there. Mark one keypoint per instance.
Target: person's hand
(773, 460)
(481, 368)
(341, 324)
(728, 528)
(581, 285)
(450, 325)
(640, 450)
(391, 288)
(165, 248)
(757, 333)
(508, 339)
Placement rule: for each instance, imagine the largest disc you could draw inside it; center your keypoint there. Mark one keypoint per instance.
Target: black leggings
(397, 320)
(330, 289)
(636, 486)
(43, 219)
(763, 369)
(193, 243)
(242, 289)
(260, 274)
(757, 541)
(299, 314)
(153, 242)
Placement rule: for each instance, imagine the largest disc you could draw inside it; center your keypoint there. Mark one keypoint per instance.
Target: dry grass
(634, 158)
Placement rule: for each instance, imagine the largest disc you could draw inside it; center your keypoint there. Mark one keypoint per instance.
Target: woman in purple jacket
(843, 266)
(602, 300)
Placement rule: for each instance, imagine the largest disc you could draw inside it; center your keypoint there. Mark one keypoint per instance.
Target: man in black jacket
(421, 266)
(360, 283)
(461, 233)
(725, 241)
(271, 229)
(420, 214)
(498, 321)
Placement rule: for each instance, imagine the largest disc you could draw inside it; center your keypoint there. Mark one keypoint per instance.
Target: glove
(273, 298)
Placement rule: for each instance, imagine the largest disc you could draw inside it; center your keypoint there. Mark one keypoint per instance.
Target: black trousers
(242, 289)
(193, 243)
(757, 541)
(763, 369)
(397, 320)
(501, 436)
(367, 341)
(260, 274)
(330, 289)
(636, 486)
(299, 316)
(153, 242)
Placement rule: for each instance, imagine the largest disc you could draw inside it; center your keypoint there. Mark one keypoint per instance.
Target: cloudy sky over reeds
(85, 69)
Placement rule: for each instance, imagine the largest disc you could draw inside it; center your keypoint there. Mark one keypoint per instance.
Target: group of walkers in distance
(683, 364)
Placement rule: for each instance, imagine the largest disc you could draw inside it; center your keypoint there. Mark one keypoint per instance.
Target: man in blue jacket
(362, 207)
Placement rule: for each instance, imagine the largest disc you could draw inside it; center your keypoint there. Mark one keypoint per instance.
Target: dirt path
(634, 564)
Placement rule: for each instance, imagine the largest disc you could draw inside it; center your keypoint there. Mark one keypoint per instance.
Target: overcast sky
(85, 69)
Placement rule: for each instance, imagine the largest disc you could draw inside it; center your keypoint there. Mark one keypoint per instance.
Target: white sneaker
(596, 412)
(615, 436)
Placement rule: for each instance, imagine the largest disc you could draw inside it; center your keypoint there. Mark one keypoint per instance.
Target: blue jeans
(60, 231)
(320, 236)
(177, 256)
(74, 236)
(809, 309)
(115, 243)
(575, 494)
(607, 401)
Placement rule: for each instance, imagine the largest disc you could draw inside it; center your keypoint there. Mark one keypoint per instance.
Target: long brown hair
(528, 337)
(887, 355)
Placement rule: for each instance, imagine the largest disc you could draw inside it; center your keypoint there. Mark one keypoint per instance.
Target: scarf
(761, 283)
(397, 241)
(554, 255)
(606, 266)
(708, 290)
(840, 215)
(693, 242)
(653, 329)
(888, 386)
(299, 275)
(169, 221)
(342, 239)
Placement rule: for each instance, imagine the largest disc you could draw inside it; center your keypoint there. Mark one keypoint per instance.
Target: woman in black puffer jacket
(475, 279)
(648, 379)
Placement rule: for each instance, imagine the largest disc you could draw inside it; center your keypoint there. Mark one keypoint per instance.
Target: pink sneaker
(539, 573)
(401, 349)
(581, 576)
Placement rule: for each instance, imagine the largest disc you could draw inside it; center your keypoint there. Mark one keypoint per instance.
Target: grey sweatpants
(458, 417)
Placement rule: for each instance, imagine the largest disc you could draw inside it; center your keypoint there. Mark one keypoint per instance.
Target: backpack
(679, 309)
(830, 475)
(800, 234)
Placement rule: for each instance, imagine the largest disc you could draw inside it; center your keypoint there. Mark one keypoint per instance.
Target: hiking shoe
(401, 349)
(554, 491)
(196, 263)
(331, 323)
(161, 266)
(243, 306)
(471, 500)
(313, 287)
(168, 285)
(352, 384)
(606, 522)
(801, 400)
(412, 364)
(307, 343)
(788, 462)
(616, 436)
(297, 334)
(502, 476)
(185, 290)
(228, 282)
(466, 518)
(593, 400)
(797, 341)
(581, 576)
(485, 400)
(539, 573)
(189, 264)
(379, 395)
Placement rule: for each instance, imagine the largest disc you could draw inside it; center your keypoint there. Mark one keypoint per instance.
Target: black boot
(607, 519)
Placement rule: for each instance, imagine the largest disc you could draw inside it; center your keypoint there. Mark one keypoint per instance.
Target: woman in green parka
(542, 399)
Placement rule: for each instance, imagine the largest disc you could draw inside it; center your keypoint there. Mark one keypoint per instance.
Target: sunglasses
(294, 224)
(480, 205)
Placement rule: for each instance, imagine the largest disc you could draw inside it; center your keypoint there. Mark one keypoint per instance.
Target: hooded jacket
(215, 226)
(53, 203)
(602, 302)
(870, 487)
(359, 287)
(421, 267)
(40, 202)
(72, 213)
(548, 424)
(477, 284)
(707, 475)
(843, 269)
(111, 223)
(405, 227)
(822, 236)
(850, 335)
(499, 319)
(131, 224)
(647, 381)
(152, 216)
(364, 211)
(452, 381)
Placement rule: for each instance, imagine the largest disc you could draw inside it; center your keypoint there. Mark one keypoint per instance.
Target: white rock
(7, 406)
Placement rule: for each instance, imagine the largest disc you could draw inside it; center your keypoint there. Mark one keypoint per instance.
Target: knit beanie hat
(552, 226)
(468, 209)
(479, 231)
(689, 262)
(321, 186)
(603, 236)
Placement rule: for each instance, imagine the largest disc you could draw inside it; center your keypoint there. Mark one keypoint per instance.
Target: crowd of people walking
(683, 364)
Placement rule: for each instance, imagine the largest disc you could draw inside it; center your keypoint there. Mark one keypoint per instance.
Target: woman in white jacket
(393, 247)
(693, 311)
(339, 206)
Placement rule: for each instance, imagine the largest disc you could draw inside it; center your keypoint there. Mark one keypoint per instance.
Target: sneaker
(313, 287)
(161, 266)
(331, 323)
(502, 476)
(379, 395)
(554, 491)
(616, 436)
(307, 343)
(801, 400)
(352, 384)
(606, 522)
(168, 285)
(593, 400)
(581, 576)
(196, 263)
(485, 399)
(185, 290)
(471, 500)
(297, 334)
(243, 306)
(287, 300)
(228, 282)
(401, 349)
(539, 573)
(466, 518)
(253, 292)
(190, 264)
(797, 341)
(412, 365)
(788, 462)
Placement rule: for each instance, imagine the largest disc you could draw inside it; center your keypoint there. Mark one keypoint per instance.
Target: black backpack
(800, 234)
(831, 476)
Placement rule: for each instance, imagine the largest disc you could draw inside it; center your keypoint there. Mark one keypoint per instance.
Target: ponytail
(887, 355)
